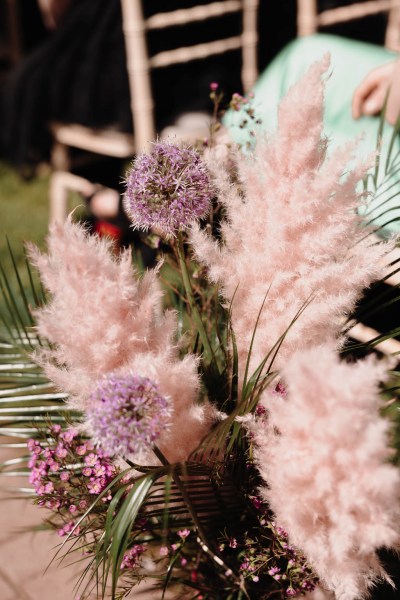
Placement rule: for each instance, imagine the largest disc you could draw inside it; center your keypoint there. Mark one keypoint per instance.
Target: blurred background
(65, 61)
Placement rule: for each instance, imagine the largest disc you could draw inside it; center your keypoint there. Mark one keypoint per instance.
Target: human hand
(369, 97)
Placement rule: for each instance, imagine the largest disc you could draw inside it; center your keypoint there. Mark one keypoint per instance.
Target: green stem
(192, 303)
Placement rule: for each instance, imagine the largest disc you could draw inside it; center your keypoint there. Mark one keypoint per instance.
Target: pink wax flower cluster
(126, 415)
(168, 189)
(131, 559)
(66, 472)
(280, 560)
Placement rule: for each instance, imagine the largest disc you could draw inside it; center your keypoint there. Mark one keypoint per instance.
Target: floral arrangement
(198, 424)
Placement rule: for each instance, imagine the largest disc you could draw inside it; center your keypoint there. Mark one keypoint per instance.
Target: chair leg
(61, 183)
(307, 11)
(392, 38)
(60, 159)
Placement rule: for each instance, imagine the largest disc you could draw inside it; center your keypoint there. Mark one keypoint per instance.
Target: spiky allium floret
(323, 453)
(291, 234)
(126, 415)
(101, 317)
(168, 189)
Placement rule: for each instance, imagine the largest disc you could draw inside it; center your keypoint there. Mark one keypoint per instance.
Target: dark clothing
(78, 74)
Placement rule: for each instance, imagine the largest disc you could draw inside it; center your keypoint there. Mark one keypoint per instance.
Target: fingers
(367, 95)
(375, 101)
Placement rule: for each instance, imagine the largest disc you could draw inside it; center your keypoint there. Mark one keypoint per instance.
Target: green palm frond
(168, 498)
(27, 398)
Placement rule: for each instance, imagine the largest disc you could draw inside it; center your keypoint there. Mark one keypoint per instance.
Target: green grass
(23, 217)
(23, 210)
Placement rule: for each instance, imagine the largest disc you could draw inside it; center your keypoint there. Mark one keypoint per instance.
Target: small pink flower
(95, 487)
(61, 452)
(99, 470)
(91, 459)
(81, 450)
(31, 444)
(64, 476)
(68, 436)
(183, 533)
(32, 462)
(260, 410)
(214, 86)
(164, 551)
(72, 508)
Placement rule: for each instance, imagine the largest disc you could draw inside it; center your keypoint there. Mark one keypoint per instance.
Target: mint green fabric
(351, 61)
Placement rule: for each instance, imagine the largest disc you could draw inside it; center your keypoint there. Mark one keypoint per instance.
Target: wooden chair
(139, 65)
(309, 20)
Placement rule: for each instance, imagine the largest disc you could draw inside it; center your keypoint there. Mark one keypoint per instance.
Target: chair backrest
(140, 63)
(309, 20)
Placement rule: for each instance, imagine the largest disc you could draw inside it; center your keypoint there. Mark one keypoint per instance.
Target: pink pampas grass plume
(323, 452)
(102, 318)
(291, 233)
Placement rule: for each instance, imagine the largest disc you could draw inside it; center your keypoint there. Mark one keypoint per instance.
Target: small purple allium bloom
(127, 414)
(167, 189)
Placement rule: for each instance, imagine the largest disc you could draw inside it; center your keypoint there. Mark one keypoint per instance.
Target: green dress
(351, 61)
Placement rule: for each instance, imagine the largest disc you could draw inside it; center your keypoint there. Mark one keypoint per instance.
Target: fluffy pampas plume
(291, 233)
(323, 451)
(103, 318)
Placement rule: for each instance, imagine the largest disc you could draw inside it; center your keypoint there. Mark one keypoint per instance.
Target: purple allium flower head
(167, 189)
(127, 414)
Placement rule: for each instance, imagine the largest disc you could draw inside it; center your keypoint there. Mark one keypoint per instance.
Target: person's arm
(369, 97)
(53, 11)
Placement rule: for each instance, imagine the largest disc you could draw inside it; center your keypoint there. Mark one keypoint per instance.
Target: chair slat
(196, 52)
(190, 15)
(100, 141)
(355, 11)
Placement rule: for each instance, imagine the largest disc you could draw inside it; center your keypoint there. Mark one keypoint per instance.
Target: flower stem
(192, 303)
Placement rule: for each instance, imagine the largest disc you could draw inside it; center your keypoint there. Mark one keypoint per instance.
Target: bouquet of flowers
(198, 424)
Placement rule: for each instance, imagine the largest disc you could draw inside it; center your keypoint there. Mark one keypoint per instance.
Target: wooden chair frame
(140, 65)
(309, 20)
